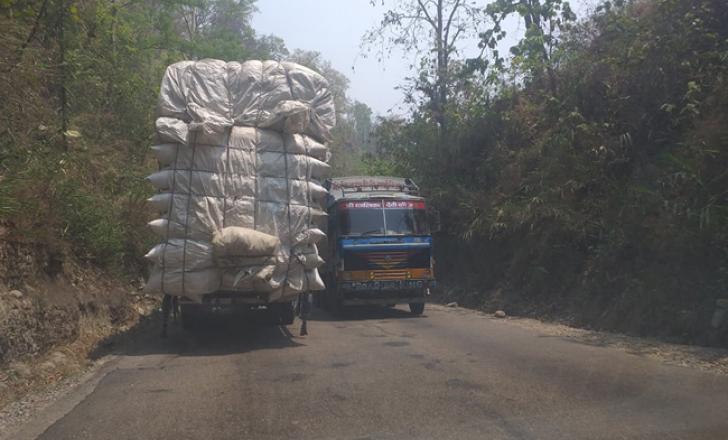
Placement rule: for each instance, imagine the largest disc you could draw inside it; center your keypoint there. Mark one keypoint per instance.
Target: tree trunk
(532, 18)
(62, 92)
(441, 82)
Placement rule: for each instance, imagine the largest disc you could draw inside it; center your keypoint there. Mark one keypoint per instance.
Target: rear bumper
(222, 298)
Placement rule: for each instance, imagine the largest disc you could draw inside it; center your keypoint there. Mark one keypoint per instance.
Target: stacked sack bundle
(242, 155)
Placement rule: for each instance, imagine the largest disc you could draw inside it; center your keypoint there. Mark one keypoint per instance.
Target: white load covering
(235, 241)
(239, 200)
(285, 97)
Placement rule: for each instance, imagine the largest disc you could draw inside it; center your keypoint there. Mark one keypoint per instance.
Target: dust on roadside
(29, 385)
(714, 360)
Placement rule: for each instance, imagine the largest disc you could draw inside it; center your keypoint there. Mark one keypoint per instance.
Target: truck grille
(388, 275)
(387, 260)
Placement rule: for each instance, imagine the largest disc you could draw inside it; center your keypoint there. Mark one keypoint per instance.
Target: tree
(544, 21)
(270, 47)
(432, 29)
(216, 28)
(361, 120)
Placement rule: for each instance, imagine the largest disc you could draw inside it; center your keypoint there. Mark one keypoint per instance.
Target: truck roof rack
(339, 187)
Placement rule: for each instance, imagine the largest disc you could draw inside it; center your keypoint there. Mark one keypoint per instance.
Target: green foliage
(8, 203)
(77, 104)
(594, 171)
(91, 224)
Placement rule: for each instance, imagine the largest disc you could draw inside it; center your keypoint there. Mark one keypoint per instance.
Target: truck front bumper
(384, 292)
(387, 286)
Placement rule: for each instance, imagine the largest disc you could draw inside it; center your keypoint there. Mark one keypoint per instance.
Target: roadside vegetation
(582, 176)
(77, 102)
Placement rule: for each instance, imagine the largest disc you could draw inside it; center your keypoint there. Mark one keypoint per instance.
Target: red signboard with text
(386, 204)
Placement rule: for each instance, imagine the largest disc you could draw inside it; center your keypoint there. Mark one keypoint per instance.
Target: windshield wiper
(373, 231)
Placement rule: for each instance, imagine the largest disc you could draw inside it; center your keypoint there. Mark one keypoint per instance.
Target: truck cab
(379, 244)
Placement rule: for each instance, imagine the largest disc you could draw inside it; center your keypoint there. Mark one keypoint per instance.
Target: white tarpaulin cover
(241, 155)
(285, 97)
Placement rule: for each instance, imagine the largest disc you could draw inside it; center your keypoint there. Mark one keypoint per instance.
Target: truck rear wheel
(290, 314)
(417, 308)
(189, 316)
(283, 313)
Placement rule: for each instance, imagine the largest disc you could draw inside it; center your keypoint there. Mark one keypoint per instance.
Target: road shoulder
(708, 359)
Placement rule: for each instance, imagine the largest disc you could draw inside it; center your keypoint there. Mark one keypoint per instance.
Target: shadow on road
(221, 334)
(214, 335)
(361, 313)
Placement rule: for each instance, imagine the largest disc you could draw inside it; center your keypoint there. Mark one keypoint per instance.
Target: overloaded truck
(240, 203)
(379, 248)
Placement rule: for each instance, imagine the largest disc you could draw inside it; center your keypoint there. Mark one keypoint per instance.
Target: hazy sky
(335, 28)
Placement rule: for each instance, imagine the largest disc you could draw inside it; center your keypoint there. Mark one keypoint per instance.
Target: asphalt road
(451, 374)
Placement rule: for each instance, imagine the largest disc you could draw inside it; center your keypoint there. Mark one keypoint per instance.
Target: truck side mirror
(433, 219)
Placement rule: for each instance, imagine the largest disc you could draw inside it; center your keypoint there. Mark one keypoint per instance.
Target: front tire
(417, 308)
(334, 302)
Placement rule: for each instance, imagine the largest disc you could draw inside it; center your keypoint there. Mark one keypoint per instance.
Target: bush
(92, 224)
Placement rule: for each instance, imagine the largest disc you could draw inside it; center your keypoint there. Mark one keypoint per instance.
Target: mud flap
(303, 309)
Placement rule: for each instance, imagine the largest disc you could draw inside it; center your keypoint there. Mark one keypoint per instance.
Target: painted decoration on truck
(404, 204)
(386, 204)
(362, 204)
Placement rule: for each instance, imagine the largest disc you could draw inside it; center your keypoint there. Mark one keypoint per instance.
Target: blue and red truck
(379, 247)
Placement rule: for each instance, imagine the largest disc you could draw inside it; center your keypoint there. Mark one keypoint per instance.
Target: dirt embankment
(53, 311)
(671, 302)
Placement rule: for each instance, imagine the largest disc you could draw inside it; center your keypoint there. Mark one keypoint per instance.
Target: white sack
(183, 283)
(309, 236)
(195, 255)
(246, 242)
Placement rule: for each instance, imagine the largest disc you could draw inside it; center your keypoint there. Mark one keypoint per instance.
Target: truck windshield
(382, 218)
(406, 221)
(361, 222)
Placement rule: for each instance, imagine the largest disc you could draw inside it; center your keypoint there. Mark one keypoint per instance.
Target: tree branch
(429, 19)
(455, 7)
(31, 35)
(451, 43)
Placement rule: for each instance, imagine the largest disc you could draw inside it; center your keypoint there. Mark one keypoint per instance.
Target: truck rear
(240, 205)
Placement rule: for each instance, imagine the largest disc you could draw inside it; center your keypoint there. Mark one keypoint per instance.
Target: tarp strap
(187, 211)
(288, 194)
(256, 179)
(225, 175)
(169, 212)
